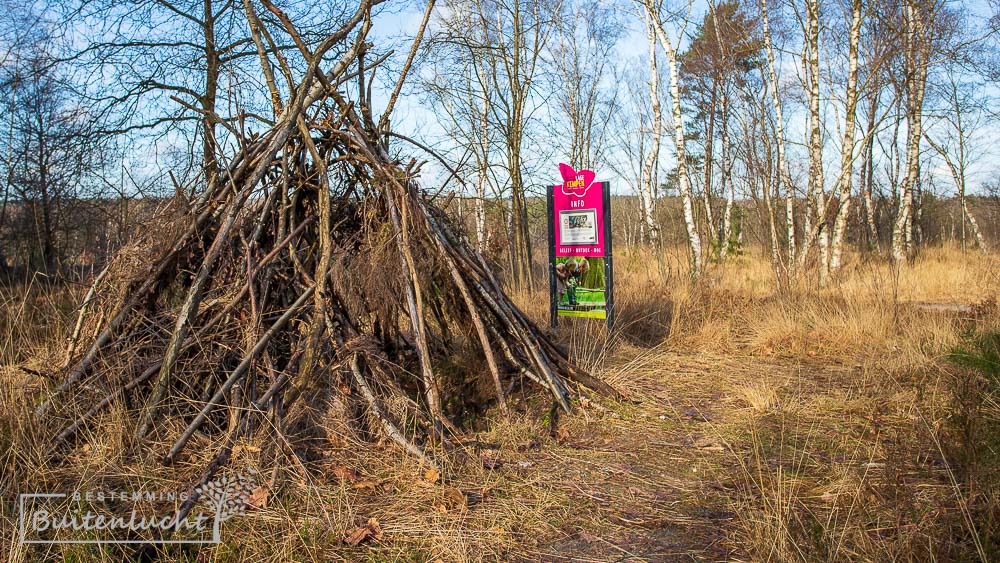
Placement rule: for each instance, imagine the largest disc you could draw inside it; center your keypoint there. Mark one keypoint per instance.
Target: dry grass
(814, 425)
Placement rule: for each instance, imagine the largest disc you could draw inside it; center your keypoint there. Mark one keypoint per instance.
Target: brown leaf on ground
(367, 484)
(562, 435)
(245, 448)
(432, 475)
(345, 473)
(708, 444)
(371, 530)
(344, 388)
(492, 462)
(532, 445)
(258, 498)
(455, 499)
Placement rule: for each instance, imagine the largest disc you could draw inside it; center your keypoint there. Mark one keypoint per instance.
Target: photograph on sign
(578, 226)
(580, 287)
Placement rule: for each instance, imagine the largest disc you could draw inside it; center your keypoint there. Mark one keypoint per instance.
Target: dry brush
(311, 265)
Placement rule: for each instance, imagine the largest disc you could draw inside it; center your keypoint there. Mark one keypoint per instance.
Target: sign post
(581, 273)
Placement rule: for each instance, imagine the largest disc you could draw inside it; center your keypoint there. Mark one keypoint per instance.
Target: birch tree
(648, 177)
(631, 140)
(652, 10)
(457, 84)
(518, 32)
(721, 56)
(816, 200)
(784, 178)
(510, 37)
(847, 148)
(957, 126)
(917, 21)
(755, 149)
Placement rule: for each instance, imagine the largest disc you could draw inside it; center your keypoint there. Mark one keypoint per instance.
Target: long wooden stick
(236, 375)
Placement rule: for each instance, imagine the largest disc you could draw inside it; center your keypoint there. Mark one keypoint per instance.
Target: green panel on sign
(585, 314)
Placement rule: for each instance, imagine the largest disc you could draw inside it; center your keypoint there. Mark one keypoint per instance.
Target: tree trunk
(868, 178)
(784, 179)
(483, 171)
(957, 170)
(707, 192)
(647, 192)
(975, 226)
(519, 221)
(212, 64)
(683, 181)
(727, 181)
(847, 150)
(45, 232)
(916, 48)
(816, 198)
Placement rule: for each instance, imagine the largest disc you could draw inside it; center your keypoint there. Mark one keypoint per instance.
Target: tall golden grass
(816, 424)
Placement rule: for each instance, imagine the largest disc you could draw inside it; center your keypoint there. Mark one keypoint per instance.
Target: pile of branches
(311, 264)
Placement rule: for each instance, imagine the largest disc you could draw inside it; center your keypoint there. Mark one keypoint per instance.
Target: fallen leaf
(432, 475)
(562, 435)
(532, 445)
(357, 535)
(369, 484)
(455, 499)
(345, 473)
(473, 498)
(258, 498)
(708, 444)
(492, 462)
(584, 402)
(371, 530)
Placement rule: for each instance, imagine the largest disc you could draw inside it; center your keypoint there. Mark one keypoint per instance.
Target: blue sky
(414, 119)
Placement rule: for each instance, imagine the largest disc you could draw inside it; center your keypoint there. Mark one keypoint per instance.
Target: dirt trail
(647, 481)
(662, 480)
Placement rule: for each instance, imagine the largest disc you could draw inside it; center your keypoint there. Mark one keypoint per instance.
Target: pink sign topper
(578, 214)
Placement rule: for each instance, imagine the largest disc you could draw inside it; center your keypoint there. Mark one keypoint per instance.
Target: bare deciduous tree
(653, 11)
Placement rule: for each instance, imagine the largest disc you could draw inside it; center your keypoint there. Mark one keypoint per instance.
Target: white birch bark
(816, 198)
(683, 181)
(957, 170)
(868, 175)
(847, 150)
(480, 208)
(915, 51)
(647, 192)
(975, 226)
(870, 216)
(784, 179)
(727, 181)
